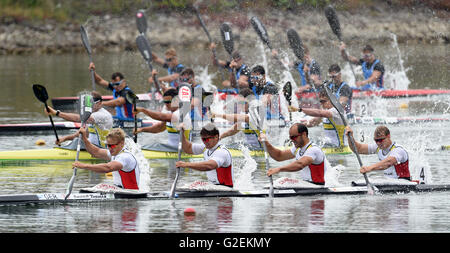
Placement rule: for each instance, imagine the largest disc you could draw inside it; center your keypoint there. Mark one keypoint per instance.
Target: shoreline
(107, 33)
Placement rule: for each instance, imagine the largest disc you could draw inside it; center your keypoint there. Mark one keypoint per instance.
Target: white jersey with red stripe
(224, 173)
(128, 176)
(399, 170)
(315, 172)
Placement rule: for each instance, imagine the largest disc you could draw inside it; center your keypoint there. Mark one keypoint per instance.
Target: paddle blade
(141, 21)
(85, 40)
(131, 97)
(227, 37)
(296, 44)
(260, 30)
(144, 47)
(40, 92)
(287, 91)
(333, 20)
(86, 104)
(335, 102)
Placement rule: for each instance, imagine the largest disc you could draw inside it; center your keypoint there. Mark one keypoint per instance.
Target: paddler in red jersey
(393, 158)
(122, 163)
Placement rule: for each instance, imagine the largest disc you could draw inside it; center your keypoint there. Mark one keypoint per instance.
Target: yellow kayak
(67, 154)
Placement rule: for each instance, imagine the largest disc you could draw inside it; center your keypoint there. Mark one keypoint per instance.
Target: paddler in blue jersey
(267, 92)
(174, 69)
(340, 88)
(373, 70)
(241, 77)
(309, 71)
(119, 87)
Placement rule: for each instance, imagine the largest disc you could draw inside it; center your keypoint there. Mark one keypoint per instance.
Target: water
(66, 75)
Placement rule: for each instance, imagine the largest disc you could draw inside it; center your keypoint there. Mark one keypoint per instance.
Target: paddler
(99, 123)
(333, 125)
(239, 71)
(121, 162)
(372, 68)
(166, 118)
(119, 87)
(217, 163)
(340, 88)
(309, 158)
(174, 69)
(242, 121)
(394, 160)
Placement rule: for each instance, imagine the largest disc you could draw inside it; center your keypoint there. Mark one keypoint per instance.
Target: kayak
(69, 102)
(58, 153)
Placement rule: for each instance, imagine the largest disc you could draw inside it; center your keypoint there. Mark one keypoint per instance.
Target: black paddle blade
(141, 21)
(40, 92)
(86, 104)
(334, 100)
(227, 37)
(333, 20)
(296, 44)
(144, 47)
(131, 97)
(260, 30)
(287, 91)
(85, 40)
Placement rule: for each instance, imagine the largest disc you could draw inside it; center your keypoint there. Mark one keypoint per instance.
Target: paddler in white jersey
(167, 119)
(218, 162)
(122, 163)
(99, 123)
(309, 158)
(242, 121)
(333, 125)
(394, 160)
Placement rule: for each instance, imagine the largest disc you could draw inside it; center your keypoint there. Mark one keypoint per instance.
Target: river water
(417, 66)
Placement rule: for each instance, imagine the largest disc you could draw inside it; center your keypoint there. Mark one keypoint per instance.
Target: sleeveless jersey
(334, 130)
(128, 176)
(401, 169)
(223, 175)
(315, 172)
(367, 72)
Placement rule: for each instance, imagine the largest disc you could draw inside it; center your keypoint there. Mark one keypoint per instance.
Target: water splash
(397, 79)
(244, 169)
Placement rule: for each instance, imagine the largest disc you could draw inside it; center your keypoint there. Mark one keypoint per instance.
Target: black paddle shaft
(261, 30)
(41, 94)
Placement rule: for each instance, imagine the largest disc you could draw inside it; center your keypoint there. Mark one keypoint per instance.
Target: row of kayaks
(69, 154)
(24, 128)
(65, 101)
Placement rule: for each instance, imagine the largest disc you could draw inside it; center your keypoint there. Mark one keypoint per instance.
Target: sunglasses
(117, 83)
(185, 79)
(366, 55)
(167, 101)
(293, 137)
(379, 140)
(256, 77)
(112, 145)
(207, 139)
(169, 59)
(323, 101)
(335, 75)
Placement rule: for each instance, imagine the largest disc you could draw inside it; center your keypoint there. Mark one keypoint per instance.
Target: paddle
(261, 31)
(184, 95)
(296, 44)
(132, 99)
(253, 114)
(202, 23)
(87, 46)
(86, 103)
(228, 43)
(41, 94)
(141, 22)
(145, 49)
(287, 92)
(333, 20)
(371, 189)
